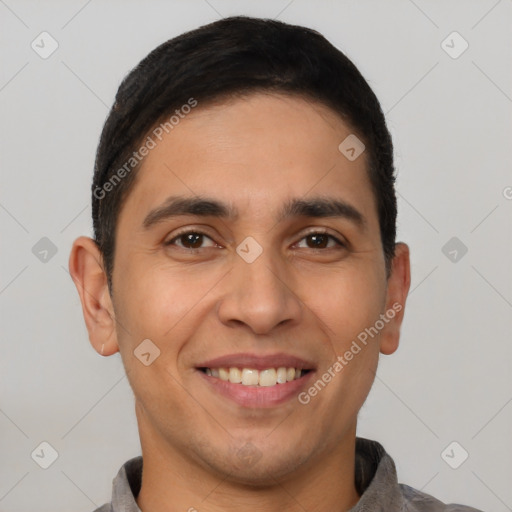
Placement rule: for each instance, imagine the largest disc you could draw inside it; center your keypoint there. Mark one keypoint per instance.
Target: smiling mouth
(257, 378)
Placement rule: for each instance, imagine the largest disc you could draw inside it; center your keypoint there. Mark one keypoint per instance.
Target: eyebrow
(200, 206)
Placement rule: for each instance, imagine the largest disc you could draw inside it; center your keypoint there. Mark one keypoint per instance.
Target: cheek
(350, 302)
(156, 299)
(152, 304)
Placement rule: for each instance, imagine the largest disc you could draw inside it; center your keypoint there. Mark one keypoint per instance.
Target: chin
(252, 468)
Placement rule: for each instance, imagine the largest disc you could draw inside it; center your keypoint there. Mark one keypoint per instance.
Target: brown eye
(189, 240)
(320, 240)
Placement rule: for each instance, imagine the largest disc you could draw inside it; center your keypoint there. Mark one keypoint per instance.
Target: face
(283, 268)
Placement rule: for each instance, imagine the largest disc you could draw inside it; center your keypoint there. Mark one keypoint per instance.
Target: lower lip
(258, 396)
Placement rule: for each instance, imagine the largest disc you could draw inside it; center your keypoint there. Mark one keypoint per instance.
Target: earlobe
(87, 272)
(399, 282)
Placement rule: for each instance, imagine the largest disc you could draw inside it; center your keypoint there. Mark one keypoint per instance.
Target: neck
(171, 482)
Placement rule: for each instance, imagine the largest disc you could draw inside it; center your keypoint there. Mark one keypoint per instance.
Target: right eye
(188, 238)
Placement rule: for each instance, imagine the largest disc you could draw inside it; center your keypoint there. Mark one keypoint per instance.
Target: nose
(260, 295)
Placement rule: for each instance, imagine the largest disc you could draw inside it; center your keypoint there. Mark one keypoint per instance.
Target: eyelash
(340, 244)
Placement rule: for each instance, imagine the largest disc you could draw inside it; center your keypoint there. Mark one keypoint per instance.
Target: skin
(255, 153)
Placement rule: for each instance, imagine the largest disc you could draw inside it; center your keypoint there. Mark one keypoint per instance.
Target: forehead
(257, 151)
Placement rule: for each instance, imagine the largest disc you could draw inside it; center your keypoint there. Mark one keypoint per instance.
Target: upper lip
(258, 362)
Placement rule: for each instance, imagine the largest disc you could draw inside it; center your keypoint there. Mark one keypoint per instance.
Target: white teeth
(252, 377)
(249, 377)
(235, 375)
(281, 375)
(268, 377)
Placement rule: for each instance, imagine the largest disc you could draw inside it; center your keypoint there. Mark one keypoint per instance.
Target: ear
(88, 274)
(399, 282)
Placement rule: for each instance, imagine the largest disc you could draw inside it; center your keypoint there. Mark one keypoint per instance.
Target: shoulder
(104, 508)
(417, 501)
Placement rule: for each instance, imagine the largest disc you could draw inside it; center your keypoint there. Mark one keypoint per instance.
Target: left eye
(319, 238)
(195, 238)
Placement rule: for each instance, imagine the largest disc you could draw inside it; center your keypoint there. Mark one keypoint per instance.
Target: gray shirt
(375, 475)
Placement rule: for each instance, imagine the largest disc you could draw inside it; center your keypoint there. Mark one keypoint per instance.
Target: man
(245, 267)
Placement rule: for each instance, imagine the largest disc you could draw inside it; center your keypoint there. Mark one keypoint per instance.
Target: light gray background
(451, 120)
